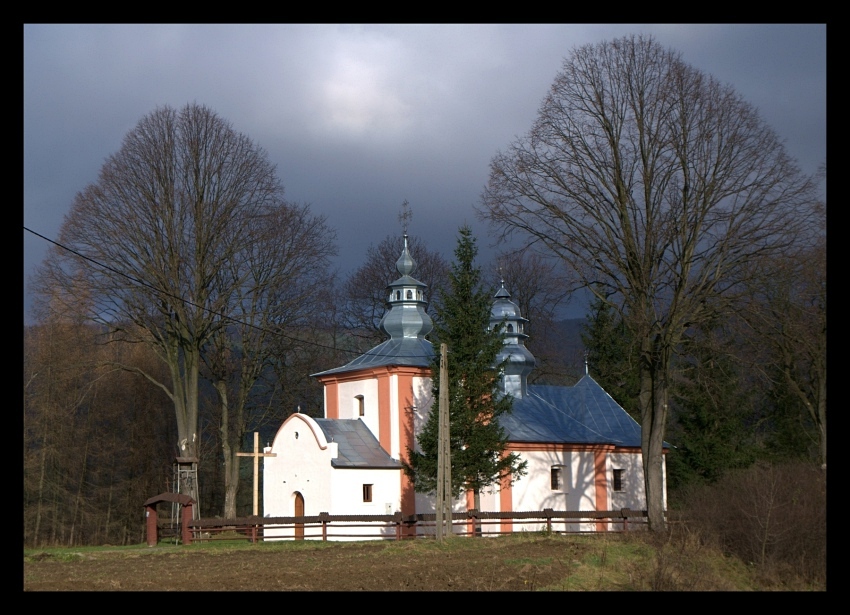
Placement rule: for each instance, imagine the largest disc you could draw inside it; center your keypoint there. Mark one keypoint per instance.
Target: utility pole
(444, 461)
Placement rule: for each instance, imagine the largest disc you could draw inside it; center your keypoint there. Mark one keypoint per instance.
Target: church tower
(389, 387)
(518, 360)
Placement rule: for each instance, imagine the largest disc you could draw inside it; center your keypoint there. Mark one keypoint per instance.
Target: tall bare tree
(787, 314)
(288, 268)
(658, 186)
(159, 244)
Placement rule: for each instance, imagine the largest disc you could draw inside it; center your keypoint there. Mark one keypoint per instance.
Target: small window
(618, 480)
(510, 328)
(360, 404)
(409, 294)
(556, 478)
(367, 493)
(397, 295)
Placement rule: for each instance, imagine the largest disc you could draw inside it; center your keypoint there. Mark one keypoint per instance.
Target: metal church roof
(580, 414)
(357, 446)
(411, 351)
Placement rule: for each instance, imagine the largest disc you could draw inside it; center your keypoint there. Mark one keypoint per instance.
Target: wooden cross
(256, 455)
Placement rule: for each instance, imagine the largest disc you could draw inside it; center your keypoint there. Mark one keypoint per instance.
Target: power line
(208, 310)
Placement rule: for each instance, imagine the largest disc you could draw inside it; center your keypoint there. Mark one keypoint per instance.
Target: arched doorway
(299, 512)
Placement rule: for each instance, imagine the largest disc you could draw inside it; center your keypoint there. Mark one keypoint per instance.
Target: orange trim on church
(332, 399)
(551, 447)
(384, 398)
(470, 504)
(405, 418)
(406, 439)
(601, 481)
(506, 502)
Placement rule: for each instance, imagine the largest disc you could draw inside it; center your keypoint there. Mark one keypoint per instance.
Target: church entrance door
(299, 512)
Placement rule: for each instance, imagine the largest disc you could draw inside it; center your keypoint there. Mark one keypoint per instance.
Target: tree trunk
(653, 409)
(229, 451)
(184, 366)
(476, 502)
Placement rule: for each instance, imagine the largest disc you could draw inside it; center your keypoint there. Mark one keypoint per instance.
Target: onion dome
(406, 315)
(405, 321)
(516, 359)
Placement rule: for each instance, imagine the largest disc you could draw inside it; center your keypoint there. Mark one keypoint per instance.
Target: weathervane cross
(405, 216)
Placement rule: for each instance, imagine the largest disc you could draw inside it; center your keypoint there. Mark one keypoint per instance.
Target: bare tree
(159, 244)
(658, 186)
(287, 265)
(94, 436)
(787, 313)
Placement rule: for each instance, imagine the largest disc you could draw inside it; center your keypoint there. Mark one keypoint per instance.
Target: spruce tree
(612, 356)
(477, 441)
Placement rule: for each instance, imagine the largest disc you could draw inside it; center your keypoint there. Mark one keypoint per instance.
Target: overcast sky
(358, 118)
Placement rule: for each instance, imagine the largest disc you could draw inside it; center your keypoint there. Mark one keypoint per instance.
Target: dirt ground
(479, 565)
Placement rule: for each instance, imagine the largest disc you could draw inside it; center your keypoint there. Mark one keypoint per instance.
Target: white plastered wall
(633, 493)
(348, 500)
(423, 402)
(577, 491)
(348, 404)
(302, 465)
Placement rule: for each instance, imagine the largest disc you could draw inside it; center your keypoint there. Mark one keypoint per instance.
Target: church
(582, 448)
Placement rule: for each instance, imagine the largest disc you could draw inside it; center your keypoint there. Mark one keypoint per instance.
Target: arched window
(397, 295)
(409, 294)
(510, 328)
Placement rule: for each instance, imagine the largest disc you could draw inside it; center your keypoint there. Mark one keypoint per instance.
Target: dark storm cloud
(358, 118)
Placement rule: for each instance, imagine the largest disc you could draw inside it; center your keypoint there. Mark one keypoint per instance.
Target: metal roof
(357, 446)
(580, 414)
(412, 351)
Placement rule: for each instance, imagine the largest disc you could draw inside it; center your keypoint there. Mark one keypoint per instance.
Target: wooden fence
(399, 527)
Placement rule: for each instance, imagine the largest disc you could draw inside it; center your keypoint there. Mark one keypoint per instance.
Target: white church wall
(301, 466)
(576, 491)
(633, 491)
(349, 404)
(349, 495)
(423, 402)
(490, 503)
(427, 504)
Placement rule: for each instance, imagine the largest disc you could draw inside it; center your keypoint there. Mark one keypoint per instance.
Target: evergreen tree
(477, 441)
(612, 356)
(713, 413)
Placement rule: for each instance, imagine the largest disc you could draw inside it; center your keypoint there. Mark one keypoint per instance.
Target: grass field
(527, 562)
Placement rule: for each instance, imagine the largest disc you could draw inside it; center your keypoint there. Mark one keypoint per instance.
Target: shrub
(772, 516)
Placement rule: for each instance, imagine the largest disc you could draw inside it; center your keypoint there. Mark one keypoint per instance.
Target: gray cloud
(358, 118)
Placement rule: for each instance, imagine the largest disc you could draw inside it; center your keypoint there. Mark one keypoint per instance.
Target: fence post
(548, 512)
(323, 516)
